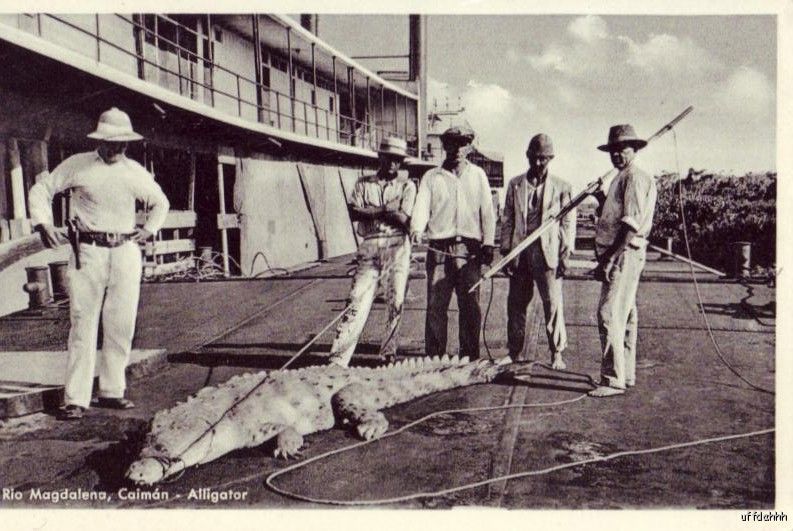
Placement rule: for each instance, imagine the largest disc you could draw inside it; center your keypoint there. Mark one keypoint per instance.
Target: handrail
(370, 131)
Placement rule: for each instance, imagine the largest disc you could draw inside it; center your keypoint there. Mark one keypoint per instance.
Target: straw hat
(394, 146)
(114, 125)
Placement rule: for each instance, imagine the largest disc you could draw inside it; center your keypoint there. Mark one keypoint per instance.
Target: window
(313, 97)
(331, 104)
(218, 34)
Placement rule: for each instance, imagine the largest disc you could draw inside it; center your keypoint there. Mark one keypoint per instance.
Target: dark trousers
(447, 274)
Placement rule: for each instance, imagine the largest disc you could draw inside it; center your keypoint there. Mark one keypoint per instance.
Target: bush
(719, 210)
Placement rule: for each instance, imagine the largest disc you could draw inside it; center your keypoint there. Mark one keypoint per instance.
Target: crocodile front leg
(288, 443)
(355, 404)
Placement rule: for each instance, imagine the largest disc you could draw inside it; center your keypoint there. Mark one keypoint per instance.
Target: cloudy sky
(574, 76)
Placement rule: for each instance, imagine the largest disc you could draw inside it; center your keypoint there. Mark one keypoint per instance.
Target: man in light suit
(533, 198)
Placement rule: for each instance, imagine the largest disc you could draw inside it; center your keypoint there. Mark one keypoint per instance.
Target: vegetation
(719, 210)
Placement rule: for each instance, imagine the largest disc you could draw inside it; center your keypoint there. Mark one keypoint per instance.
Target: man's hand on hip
(49, 234)
(140, 235)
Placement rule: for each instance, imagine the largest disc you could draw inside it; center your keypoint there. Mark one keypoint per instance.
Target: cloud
(589, 28)
(747, 92)
(591, 55)
(666, 54)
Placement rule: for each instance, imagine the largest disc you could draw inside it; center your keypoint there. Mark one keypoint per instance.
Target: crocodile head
(146, 471)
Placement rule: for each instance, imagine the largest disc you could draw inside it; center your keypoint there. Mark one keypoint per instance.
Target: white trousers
(107, 283)
(384, 261)
(618, 320)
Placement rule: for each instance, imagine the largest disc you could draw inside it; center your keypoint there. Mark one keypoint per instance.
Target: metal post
(210, 53)
(336, 98)
(314, 79)
(224, 237)
(382, 110)
(368, 115)
(291, 76)
(98, 40)
(257, 57)
(239, 97)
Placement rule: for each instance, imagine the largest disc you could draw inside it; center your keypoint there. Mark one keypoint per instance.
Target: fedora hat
(114, 125)
(394, 146)
(459, 132)
(623, 135)
(541, 145)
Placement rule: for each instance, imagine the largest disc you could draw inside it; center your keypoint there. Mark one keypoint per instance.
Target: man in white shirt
(104, 186)
(454, 208)
(533, 198)
(620, 246)
(381, 204)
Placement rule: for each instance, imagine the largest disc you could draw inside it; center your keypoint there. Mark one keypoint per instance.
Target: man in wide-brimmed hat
(105, 274)
(620, 245)
(455, 209)
(381, 204)
(534, 197)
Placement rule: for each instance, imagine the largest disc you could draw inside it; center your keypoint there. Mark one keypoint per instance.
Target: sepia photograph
(284, 258)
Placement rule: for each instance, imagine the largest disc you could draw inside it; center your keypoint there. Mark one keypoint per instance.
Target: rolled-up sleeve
(408, 198)
(636, 200)
(421, 207)
(152, 195)
(486, 213)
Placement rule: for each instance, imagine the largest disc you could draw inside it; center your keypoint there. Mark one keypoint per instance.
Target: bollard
(741, 259)
(60, 280)
(38, 286)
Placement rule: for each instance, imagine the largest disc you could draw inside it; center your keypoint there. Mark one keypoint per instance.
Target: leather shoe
(114, 403)
(70, 412)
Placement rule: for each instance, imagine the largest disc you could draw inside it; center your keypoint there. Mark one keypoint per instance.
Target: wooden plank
(228, 221)
(5, 231)
(152, 269)
(501, 461)
(176, 219)
(169, 246)
(19, 228)
(18, 398)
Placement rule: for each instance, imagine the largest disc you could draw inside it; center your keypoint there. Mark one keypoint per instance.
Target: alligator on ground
(252, 408)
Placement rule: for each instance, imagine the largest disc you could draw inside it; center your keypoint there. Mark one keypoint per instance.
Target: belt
(453, 240)
(105, 239)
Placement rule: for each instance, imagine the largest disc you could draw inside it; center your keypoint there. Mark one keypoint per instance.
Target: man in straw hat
(455, 209)
(620, 244)
(534, 197)
(382, 204)
(105, 277)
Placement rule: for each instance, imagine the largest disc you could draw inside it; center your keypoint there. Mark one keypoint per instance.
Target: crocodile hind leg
(355, 404)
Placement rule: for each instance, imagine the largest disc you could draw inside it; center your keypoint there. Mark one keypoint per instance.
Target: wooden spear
(589, 190)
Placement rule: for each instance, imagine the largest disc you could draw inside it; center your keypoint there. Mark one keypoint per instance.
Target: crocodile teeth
(445, 358)
(456, 360)
(464, 360)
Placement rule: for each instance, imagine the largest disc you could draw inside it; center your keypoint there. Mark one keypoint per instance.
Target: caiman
(250, 409)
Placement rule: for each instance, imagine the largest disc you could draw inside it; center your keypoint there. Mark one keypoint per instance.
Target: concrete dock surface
(684, 393)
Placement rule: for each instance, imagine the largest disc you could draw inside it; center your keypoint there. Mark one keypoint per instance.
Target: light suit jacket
(554, 241)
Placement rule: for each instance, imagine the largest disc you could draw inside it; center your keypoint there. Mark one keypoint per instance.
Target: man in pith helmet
(105, 266)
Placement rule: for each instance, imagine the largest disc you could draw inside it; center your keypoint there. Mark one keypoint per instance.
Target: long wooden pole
(590, 189)
(687, 261)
